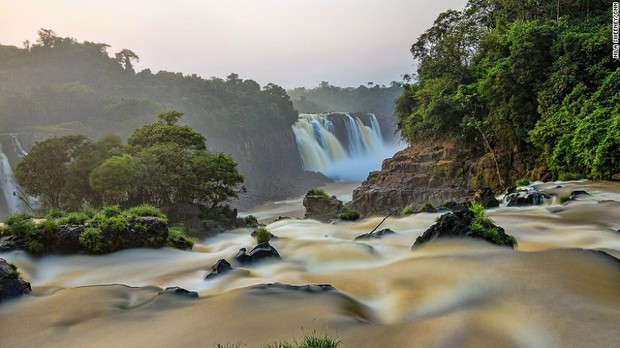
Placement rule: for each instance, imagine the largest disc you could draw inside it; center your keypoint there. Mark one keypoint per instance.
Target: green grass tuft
(92, 239)
(523, 182)
(262, 235)
(349, 214)
(318, 192)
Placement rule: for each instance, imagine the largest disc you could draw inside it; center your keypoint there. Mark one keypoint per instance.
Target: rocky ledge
(436, 172)
(11, 284)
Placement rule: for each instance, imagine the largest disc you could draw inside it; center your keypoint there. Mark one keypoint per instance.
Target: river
(560, 288)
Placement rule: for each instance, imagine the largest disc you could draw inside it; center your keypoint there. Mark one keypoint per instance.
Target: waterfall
(17, 146)
(7, 184)
(341, 146)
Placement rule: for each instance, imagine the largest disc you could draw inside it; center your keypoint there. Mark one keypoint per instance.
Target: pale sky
(288, 42)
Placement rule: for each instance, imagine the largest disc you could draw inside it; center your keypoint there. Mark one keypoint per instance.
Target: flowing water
(341, 146)
(560, 288)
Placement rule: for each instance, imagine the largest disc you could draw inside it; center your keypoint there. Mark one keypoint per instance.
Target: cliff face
(437, 172)
(270, 164)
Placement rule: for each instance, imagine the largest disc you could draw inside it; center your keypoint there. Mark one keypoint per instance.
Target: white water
(17, 146)
(349, 159)
(7, 184)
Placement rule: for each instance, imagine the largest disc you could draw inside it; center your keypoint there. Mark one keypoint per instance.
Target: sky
(291, 43)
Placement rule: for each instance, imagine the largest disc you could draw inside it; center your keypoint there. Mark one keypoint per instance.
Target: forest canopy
(533, 76)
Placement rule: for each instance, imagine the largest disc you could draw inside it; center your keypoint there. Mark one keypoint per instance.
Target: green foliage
(34, 246)
(146, 210)
(249, 221)
(428, 207)
(176, 234)
(407, 211)
(76, 218)
(21, 225)
(311, 340)
(349, 214)
(262, 235)
(523, 182)
(569, 176)
(14, 274)
(92, 239)
(55, 214)
(564, 199)
(111, 211)
(318, 192)
(114, 179)
(116, 224)
(483, 225)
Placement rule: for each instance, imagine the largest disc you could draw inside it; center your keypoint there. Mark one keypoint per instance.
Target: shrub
(55, 214)
(262, 235)
(250, 221)
(349, 214)
(89, 211)
(482, 225)
(570, 176)
(146, 210)
(175, 234)
(92, 239)
(21, 225)
(116, 224)
(523, 182)
(318, 192)
(111, 211)
(50, 225)
(33, 246)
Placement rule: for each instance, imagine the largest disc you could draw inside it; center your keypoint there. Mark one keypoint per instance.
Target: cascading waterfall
(17, 146)
(7, 184)
(359, 150)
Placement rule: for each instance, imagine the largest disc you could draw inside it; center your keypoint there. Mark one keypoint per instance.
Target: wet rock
(454, 206)
(280, 218)
(458, 225)
(578, 194)
(220, 267)
(11, 285)
(525, 198)
(310, 288)
(8, 243)
(376, 234)
(175, 290)
(260, 252)
(486, 197)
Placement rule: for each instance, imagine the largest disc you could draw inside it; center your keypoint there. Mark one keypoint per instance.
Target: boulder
(321, 207)
(578, 194)
(11, 285)
(525, 198)
(457, 224)
(260, 252)
(8, 243)
(376, 234)
(175, 290)
(486, 197)
(310, 288)
(220, 267)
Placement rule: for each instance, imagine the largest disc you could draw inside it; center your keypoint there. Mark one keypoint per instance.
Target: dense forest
(520, 76)
(376, 99)
(60, 85)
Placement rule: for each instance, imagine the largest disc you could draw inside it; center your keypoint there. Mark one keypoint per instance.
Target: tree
(114, 179)
(125, 58)
(44, 171)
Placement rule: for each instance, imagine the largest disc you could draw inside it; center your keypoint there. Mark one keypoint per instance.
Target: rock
(321, 207)
(175, 290)
(525, 198)
(260, 252)
(8, 243)
(280, 218)
(220, 267)
(376, 234)
(11, 285)
(486, 197)
(310, 288)
(577, 194)
(458, 225)
(454, 206)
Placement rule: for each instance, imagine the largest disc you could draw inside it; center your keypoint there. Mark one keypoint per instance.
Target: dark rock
(65, 240)
(577, 194)
(8, 243)
(322, 207)
(454, 206)
(260, 252)
(180, 243)
(310, 288)
(11, 285)
(486, 197)
(220, 267)
(510, 189)
(376, 234)
(458, 225)
(525, 198)
(175, 290)
(280, 218)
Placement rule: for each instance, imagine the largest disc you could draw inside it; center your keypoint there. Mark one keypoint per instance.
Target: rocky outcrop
(11, 285)
(458, 224)
(486, 197)
(262, 251)
(525, 198)
(220, 267)
(436, 172)
(375, 234)
(177, 291)
(320, 206)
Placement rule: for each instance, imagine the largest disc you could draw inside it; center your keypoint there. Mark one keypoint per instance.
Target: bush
(146, 210)
(111, 211)
(250, 221)
(522, 182)
(483, 225)
(318, 192)
(349, 214)
(570, 176)
(92, 239)
(262, 235)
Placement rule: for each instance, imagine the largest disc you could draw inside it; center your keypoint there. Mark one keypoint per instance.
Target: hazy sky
(287, 42)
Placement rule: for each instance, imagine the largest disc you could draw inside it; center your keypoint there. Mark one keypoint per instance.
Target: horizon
(346, 43)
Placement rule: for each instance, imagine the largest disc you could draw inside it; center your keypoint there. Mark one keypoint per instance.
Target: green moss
(262, 235)
(76, 218)
(176, 234)
(115, 225)
(318, 192)
(349, 214)
(55, 214)
(483, 225)
(146, 210)
(564, 199)
(92, 239)
(522, 182)
(112, 211)
(21, 225)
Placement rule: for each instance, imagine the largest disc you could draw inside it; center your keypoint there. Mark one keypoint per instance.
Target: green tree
(114, 179)
(125, 58)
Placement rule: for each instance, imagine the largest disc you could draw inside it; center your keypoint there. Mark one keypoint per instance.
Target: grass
(523, 182)
(318, 192)
(311, 340)
(176, 233)
(482, 225)
(349, 214)
(570, 176)
(146, 210)
(92, 239)
(262, 235)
